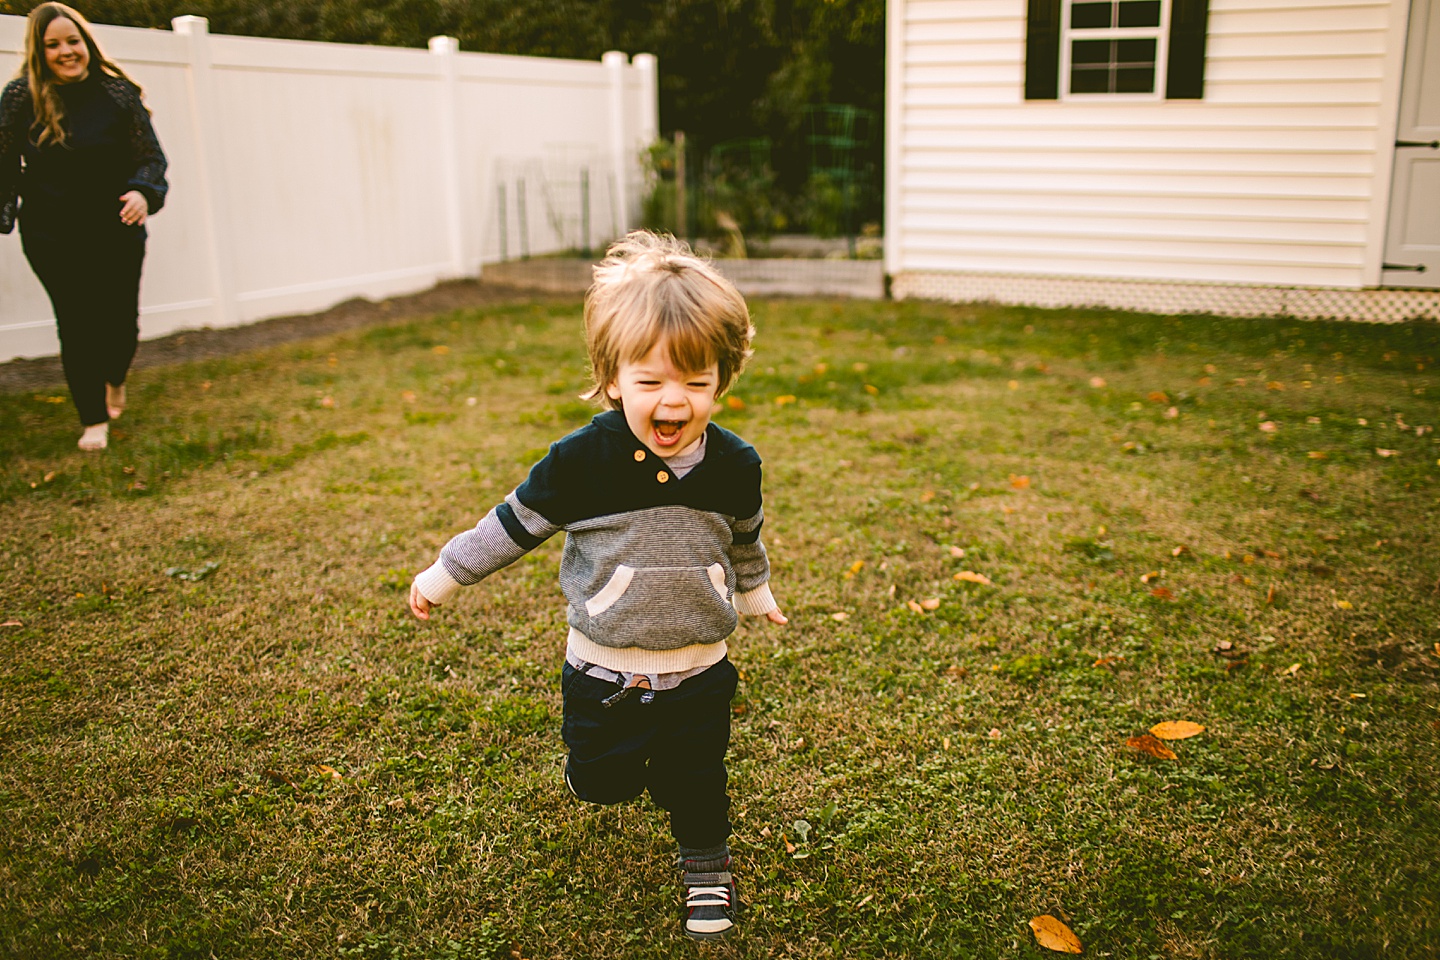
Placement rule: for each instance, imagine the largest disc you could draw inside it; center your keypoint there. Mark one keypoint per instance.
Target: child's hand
(775, 616)
(418, 604)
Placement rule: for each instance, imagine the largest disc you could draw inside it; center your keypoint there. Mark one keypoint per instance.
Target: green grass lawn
(224, 735)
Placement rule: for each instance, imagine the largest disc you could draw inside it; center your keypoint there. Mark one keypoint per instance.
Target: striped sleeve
(751, 565)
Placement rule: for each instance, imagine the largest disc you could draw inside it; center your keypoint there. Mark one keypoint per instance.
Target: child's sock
(710, 895)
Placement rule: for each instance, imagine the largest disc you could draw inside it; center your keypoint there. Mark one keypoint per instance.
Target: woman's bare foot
(95, 437)
(114, 400)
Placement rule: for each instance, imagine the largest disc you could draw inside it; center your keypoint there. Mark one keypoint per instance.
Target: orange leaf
(1019, 483)
(1145, 743)
(1097, 382)
(780, 401)
(854, 569)
(1270, 595)
(1106, 661)
(914, 606)
(734, 402)
(931, 604)
(1157, 396)
(1152, 575)
(927, 495)
(1054, 935)
(330, 771)
(971, 576)
(1162, 593)
(1176, 729)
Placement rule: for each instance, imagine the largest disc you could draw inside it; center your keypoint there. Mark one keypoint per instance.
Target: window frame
(1159, 33)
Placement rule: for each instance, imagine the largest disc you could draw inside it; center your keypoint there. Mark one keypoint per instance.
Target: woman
(79, 155)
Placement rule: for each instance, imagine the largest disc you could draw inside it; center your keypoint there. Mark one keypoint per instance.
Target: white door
(1412, 243)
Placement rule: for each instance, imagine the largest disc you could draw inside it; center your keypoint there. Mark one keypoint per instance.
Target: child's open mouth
(668, 432)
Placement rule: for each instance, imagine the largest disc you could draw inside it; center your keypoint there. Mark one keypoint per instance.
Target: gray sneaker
(711, 900)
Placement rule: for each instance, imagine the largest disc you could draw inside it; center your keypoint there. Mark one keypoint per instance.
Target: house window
(1130, 49)
(1113, 47)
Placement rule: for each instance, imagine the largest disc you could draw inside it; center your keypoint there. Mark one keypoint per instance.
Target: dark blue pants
(93, 280)
(671, 742)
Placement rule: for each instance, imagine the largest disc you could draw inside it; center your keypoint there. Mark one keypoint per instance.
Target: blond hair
(652, 288)
(49, 108)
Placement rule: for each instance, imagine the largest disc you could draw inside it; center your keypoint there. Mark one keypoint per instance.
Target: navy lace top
(111, 148)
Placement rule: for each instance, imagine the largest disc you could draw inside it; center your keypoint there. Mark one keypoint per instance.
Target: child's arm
(752, 569)
(506, 534)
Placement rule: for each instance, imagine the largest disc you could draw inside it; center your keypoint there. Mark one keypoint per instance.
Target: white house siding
(1275, 178)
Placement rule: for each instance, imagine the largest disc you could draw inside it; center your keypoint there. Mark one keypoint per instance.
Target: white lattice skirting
(1308, 303)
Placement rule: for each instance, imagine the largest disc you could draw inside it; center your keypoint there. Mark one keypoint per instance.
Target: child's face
(666, 408)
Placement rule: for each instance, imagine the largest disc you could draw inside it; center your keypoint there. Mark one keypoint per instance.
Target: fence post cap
(190, 24)
(443, 44)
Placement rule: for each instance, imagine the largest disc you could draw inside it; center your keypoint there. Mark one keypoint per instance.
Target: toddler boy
(662, 515)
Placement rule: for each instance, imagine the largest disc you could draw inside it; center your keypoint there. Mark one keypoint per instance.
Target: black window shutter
(1185, 74)
(1042, 50)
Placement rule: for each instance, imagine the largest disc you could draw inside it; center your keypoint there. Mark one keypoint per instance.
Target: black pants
(671, 742)
(93, 279)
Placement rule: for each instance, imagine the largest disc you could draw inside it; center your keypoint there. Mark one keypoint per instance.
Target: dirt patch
(20, 375)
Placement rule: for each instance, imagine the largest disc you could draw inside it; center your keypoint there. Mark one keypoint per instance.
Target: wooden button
(663, 477)
(639, 455)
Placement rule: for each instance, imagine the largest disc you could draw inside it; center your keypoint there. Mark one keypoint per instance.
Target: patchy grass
(272, 759)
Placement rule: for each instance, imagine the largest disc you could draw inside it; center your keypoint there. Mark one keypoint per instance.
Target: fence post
(214, 193)
(648, 117)
(615, 62)
(447, 49)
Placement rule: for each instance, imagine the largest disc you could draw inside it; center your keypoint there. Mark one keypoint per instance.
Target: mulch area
(20, 375)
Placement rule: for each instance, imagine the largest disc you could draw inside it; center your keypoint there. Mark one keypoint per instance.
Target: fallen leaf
(994, 733)
(1162, 593)
(1291, 670)
(1106, 661)
(789, 847)
(1054, 935)
(1152, 575)
(1157, 396)
(872, 389)
(970, 576)
(1013, 384)
(1176, 729)
(932, 603)
(840, 616)
(408, 396)
(957, 552)
(17, 623)
(327, 402)
(1019, 483)
(1145, 743)
(854, 569)
(1172, 413)
(440, 349)
(1268, 426)
(1178, 550)
(1097, 382)
(927, 495)
(1274, 385)
(1211, 368)
(1224, 645)
(734, 402)
(786, 398)
(1386, 453)
(859, 367)
(868, 898)
(1344, 605)
(914, 606)
(330, 771)
(1317, 454)
(1270, 595)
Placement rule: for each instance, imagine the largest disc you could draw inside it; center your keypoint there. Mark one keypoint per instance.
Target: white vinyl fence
(304, 174)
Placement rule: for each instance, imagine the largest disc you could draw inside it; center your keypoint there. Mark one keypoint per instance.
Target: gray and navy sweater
(655, 565)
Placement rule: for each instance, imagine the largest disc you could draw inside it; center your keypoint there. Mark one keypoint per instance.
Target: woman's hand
(135, 208)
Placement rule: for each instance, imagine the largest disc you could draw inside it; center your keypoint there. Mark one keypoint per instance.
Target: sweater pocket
(661, 608)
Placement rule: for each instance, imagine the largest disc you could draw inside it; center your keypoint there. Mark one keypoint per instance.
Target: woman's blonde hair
(49, 108)
(651, 288)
